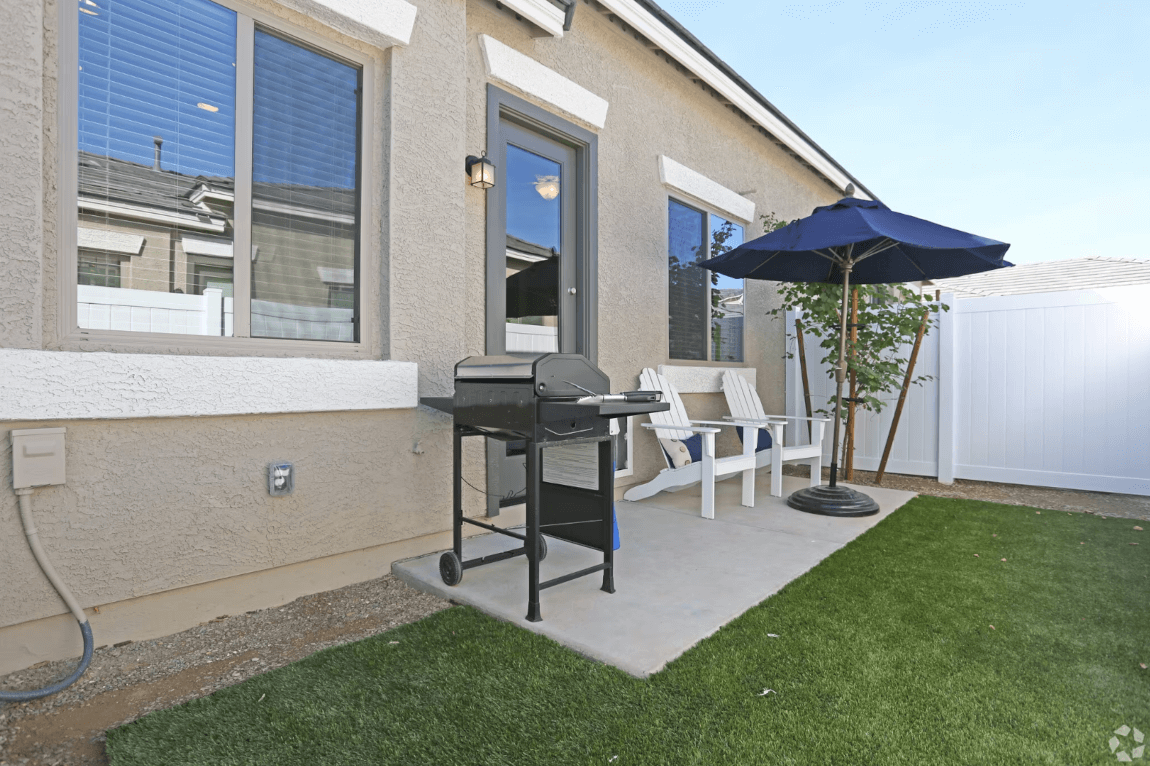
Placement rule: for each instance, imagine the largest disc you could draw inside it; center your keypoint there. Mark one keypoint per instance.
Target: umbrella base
(833, 501)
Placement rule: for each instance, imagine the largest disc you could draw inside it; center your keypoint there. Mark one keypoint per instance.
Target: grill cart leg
(457, 495)
(533, 489)
(607, 487)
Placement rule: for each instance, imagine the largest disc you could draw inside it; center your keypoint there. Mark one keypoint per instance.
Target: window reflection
(704, 309)
(534, 226)
(305, 206)
(156, 166)
(687, 283)
(727, 296)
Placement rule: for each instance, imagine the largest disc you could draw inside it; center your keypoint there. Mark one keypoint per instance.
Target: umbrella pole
(840, 374)
(831, 499)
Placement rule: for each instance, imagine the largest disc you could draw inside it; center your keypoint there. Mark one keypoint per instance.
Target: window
(204, 134)
(99, 270)
(704, 309)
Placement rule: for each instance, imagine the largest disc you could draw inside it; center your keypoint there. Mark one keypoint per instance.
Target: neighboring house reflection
(144, 231)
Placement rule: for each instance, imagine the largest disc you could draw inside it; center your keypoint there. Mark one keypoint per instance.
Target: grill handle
(626, 396)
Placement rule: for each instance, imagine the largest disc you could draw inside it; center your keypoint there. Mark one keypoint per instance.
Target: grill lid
(551, 375)
(504, 367)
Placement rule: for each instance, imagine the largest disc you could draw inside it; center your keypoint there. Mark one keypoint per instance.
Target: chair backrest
(742, 399)
(649, 380)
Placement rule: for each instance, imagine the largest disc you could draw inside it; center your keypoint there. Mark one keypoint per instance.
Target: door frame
(505, 107)
(502, 106)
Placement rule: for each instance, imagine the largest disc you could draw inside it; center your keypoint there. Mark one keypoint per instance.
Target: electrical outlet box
(37, 457)
(281, 479)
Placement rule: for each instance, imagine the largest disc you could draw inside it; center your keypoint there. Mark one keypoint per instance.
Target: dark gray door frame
(505, 108)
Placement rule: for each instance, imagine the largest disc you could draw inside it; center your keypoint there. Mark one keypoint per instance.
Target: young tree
(889, 317)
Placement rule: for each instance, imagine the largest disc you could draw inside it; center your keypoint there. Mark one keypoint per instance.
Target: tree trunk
(849, 457)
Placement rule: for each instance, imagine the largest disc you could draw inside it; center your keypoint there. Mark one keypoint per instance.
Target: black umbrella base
(833, 501)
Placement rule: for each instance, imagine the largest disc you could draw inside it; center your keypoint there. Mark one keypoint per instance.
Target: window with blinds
(305, 113)
(159, 211)
(704, 309)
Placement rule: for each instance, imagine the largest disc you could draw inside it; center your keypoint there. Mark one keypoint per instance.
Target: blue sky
(1027, 122)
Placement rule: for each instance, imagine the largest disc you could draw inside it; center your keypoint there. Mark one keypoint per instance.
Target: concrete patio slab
(678, 577)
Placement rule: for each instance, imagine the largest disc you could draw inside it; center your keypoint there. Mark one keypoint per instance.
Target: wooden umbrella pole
(803, 369)
(902, 397)
(850, 456)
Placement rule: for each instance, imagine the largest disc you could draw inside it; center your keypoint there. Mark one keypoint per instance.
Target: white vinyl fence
(529, 338)
(114, 308)
(1049, 389)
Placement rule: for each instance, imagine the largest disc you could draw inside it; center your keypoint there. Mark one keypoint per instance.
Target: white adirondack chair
(674, 424)
(745, 406)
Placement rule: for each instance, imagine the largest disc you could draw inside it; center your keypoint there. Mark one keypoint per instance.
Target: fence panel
(1050, 389)
(1044, 389)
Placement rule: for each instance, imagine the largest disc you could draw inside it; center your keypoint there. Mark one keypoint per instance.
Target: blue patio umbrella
(866, 242)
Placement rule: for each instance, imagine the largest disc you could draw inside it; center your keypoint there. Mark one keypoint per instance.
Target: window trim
(68, 331)
(707, 212)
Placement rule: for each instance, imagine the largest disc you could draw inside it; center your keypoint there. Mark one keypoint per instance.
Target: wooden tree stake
(803, 369)
(850, 456)
(902, 397)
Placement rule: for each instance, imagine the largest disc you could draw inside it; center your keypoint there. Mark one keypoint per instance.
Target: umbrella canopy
(860, 241)
(883, 247)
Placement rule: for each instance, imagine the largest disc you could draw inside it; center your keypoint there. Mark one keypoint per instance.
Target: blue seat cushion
(764, 438)
(694, 445)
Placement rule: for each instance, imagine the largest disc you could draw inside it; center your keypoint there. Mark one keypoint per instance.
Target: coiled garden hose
(25, 499)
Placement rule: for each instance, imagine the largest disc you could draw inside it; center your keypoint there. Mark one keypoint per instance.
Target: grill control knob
(571, 290)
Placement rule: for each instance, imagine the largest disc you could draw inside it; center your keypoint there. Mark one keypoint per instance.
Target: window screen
(305, 207)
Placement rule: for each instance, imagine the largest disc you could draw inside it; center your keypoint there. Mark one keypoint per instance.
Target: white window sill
(66, 385)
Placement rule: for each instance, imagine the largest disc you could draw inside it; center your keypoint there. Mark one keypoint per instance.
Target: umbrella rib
(764, 263)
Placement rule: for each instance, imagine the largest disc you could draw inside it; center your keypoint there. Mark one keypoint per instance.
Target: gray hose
(25, 500)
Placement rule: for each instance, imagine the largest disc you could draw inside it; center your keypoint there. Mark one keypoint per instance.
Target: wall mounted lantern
(482, 171)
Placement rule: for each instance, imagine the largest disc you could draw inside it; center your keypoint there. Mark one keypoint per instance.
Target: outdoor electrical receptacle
(281, 479)
(37, 457)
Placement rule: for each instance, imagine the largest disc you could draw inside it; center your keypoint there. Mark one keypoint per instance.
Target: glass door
(540, 304)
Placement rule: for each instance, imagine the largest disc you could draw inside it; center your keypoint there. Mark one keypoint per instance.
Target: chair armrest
(786, 417)
(692, 429)
(737, 423)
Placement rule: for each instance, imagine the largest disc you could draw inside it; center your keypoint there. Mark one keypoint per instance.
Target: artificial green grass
(884, 655)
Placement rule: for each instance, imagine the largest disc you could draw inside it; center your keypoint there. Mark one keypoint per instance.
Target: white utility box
(37, 457)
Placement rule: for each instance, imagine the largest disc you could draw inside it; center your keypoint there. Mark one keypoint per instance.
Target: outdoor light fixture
(547, 186)
(482, 171)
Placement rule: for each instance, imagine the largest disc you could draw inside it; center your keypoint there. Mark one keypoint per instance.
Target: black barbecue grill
(561, 406)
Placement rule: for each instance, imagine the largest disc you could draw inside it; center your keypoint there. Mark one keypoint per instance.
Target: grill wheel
(450, 568)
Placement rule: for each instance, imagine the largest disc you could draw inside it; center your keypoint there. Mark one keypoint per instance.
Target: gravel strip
(1101, 503)
(126, 682)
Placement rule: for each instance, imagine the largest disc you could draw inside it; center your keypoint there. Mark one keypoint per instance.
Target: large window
(704, 309)
(204, 136)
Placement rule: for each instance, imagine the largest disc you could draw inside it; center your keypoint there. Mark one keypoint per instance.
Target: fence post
(213, 308)
(946, 402)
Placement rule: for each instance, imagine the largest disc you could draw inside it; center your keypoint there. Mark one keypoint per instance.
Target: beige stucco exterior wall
(22, 198)
(154, 505)
(654, 110)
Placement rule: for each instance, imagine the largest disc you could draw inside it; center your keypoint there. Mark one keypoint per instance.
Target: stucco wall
(653, 110)
(157, 504)
(22, 198)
